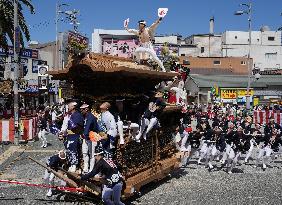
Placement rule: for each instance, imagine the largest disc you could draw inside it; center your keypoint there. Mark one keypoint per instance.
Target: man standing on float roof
(146, 38)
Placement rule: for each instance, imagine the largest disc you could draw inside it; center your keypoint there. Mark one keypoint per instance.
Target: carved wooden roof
(109, 64)
(100, 75)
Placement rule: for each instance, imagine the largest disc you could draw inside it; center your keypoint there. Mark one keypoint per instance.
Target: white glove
(162, 12)
(125, 23)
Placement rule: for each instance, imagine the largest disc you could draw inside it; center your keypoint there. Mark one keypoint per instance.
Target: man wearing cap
(146, 38)
(74, 130)
(54, 162)
(120, 116)
(90, 124)
(107, 168)
(270, 144)
(111, 127)
(180, 92)
(270, 126)
(151, 115)
(217, 145)
(237, 147)
(185, 147)
(42, 126)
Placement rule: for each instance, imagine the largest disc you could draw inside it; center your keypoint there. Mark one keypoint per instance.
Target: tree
(7, 19)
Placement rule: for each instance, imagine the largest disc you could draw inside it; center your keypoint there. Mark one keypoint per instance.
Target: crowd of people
(226, 134)
(212, 132)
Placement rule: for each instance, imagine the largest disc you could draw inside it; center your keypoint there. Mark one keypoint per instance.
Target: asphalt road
(192, 185)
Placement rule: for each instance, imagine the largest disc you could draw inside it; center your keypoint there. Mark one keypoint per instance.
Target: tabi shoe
(210, 166)
(49, 193)
(72, 168)
(121, 141)
(264, 166)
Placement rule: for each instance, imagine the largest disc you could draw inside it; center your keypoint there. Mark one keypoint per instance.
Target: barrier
(29, 131)
(262, 117)
(7, 130)
(7, 114)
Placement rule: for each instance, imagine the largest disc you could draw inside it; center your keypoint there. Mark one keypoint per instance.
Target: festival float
(102, 78)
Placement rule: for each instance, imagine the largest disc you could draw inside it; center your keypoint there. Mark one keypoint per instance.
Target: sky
(185, 17)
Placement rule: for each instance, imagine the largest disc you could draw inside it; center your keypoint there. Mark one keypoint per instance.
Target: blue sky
(185, 17)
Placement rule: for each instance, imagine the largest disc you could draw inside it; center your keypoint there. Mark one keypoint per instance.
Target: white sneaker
(49, 193)
(229, 172)
(263, 166)
(42, 146)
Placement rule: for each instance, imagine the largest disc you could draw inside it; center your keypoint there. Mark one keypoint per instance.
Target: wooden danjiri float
(103, 78)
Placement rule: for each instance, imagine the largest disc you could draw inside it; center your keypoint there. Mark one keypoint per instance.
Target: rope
(71, 189)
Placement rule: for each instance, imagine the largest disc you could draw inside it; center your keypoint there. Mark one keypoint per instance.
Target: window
(270, 56)
(243, 62)
(271, 38)
(258, 39)
(182, 54)
(202, 49)
(217, 62)
(236, 37)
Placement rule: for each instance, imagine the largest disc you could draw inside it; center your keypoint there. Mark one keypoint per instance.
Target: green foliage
(7, 19)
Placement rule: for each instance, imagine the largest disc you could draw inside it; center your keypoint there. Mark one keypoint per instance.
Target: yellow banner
(242, 93)
(228, 94)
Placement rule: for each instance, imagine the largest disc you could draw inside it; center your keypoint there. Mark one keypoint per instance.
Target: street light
(249, 12)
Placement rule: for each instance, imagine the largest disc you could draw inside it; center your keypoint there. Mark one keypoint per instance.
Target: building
(205, 45)
(265, 50)
(114, 42)
(29, 59)
(218, 65)
(123, 44)
(233, 89)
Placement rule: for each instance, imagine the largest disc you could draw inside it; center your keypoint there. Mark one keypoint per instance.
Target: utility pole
(16, 72)
(249, 12)
(57, 54)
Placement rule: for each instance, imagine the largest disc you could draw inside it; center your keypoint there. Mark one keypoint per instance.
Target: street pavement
(191, 185)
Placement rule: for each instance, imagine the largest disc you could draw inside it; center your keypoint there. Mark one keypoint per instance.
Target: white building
(113, 42)
(205, 45)
(266, 49)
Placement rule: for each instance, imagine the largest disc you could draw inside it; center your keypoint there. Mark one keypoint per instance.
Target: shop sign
(243, 92)
(228, 94)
